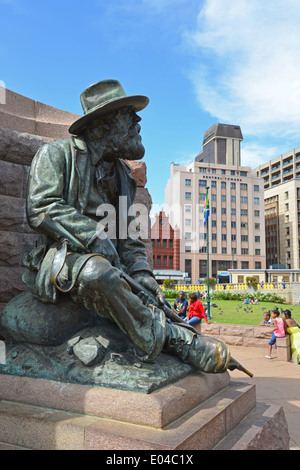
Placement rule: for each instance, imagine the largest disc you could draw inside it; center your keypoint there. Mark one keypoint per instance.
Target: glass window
(256, 200)
(244, 199)
(256, 187)
(213, 184)
(223, 184)
(244, 187)
(188, 195)
(202, 183)
(188, 182)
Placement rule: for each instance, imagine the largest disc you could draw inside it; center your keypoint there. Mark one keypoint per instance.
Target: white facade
(236, 222)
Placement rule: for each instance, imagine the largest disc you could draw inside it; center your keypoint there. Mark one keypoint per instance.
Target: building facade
(281, 180)
(165, 244)
(236, 223)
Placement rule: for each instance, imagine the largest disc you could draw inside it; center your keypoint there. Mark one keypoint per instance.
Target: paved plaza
(276, 382)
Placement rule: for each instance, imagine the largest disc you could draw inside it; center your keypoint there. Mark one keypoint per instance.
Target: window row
(213, 197)
(213, 184)
(158, 243)
(165, 261)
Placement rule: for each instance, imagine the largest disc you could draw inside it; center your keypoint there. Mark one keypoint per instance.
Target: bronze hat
(102, 98)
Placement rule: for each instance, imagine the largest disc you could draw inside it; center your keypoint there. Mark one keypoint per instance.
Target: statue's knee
(96, 273)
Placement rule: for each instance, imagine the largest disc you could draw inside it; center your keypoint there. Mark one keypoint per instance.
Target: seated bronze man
(68, 181)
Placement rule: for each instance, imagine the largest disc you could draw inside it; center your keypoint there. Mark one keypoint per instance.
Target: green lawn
(236, 312)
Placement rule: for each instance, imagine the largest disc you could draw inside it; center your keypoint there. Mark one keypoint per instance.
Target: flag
(206, 211)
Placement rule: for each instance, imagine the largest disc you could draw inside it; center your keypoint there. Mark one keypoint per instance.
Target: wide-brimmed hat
(103, 97)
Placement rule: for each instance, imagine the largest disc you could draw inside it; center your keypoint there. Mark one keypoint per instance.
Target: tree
(168, 283)
(252, 282)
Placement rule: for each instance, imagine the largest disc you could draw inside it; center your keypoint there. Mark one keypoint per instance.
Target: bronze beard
(116, 135)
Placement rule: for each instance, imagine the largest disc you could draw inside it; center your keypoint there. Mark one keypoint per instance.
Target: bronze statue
(68, 181)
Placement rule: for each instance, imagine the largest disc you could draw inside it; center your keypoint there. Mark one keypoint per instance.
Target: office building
(281, 181)
(236, 222)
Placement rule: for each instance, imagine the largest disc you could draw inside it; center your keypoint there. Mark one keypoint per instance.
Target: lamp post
(206, 216)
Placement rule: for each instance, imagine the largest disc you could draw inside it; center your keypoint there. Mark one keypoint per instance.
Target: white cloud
(246, 63)
(255, 154)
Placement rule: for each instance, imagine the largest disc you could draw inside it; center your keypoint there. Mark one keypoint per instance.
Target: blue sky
(199, 62)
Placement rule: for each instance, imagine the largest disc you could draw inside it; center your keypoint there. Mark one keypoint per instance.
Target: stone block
(10, 283)
(231, 340)
(211, 329)
(10, 249)
(283, 342)
(42, 429)
(11, 179)
(156, 409)
(236, 330)
(19, 147)
(13, 215)
(138, 172)
(262, 331)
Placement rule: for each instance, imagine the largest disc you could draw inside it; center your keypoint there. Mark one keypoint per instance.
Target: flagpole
(207, 252)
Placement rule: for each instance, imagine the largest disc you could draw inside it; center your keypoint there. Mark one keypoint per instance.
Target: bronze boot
(203, 352)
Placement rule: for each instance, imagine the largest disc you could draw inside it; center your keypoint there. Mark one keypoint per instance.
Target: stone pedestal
(199, 412)
(283, 348)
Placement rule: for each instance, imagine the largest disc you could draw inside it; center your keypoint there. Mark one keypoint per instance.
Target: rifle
(49, 227)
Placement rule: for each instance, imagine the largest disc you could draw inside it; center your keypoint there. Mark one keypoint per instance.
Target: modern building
(236, 222)
(222, 145)
(281, 181)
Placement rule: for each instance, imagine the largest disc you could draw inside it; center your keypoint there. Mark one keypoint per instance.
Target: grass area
(236, 312)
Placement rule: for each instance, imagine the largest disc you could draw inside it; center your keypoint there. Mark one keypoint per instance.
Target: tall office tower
(281, 180)
(236, 222)
(222, 145)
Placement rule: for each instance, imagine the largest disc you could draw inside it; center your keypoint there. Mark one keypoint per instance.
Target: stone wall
(25, 125)
(239, 335)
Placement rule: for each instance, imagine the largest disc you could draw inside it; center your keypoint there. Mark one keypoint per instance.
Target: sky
(199, 61)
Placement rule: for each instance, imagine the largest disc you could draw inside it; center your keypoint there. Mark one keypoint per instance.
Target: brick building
(165, 244)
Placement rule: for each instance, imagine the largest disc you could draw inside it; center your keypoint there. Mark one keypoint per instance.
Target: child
(267, 320)
(278, 332)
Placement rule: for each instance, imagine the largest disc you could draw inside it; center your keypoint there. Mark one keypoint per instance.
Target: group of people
(283, 325)
(191, 312)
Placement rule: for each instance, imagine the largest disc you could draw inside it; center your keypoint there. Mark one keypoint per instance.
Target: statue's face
(118, 135)
(128, 139)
